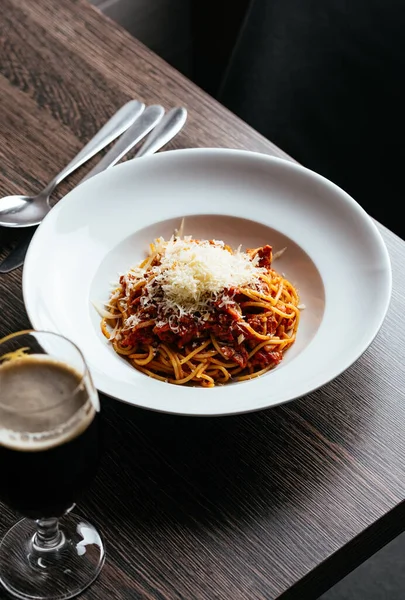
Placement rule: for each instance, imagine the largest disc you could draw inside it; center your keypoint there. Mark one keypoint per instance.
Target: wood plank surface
(276, 504)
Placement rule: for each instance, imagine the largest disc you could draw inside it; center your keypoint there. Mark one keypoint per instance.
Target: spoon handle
(142, 126)
(114, 127)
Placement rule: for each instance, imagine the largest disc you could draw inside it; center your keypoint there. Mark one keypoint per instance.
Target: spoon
(167, 128)
(26, 211)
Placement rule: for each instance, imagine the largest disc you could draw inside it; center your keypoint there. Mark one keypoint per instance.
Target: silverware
(26, 211)
(166, 129)
(138, 130)
(146, 122)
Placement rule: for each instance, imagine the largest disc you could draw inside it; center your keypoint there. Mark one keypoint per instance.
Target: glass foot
(29, 573)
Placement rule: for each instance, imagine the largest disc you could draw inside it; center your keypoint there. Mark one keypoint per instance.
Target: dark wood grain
(277, 504)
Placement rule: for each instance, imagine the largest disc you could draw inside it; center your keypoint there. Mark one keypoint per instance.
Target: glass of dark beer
(49, 448)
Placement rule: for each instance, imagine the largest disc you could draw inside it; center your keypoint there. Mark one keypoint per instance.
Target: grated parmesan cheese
(193, 272)
(132, 321)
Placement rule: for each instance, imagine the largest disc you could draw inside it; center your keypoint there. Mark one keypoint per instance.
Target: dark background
(323, 79)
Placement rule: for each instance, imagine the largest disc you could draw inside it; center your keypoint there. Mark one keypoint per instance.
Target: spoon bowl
(24, 211)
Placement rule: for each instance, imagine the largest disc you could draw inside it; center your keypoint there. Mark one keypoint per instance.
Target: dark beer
(49, 434)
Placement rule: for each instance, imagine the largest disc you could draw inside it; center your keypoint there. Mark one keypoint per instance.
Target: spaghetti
(197, 312)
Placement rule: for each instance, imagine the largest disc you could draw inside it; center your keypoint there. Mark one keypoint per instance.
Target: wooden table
(277, 504)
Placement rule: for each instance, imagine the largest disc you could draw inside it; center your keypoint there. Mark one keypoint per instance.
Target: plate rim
(383, 251)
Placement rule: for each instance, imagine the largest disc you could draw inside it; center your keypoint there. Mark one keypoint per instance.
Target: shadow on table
(161, 469)
(8, 237)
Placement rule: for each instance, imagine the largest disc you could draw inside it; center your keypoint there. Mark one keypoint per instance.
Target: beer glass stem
(48, 536)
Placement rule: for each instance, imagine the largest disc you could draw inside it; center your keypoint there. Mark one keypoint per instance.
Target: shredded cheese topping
(192, 275)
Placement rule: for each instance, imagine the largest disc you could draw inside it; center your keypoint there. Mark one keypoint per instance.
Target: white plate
(335, 256)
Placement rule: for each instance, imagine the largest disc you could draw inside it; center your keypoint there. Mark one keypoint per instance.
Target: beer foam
(38, 441)
(43, 403)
